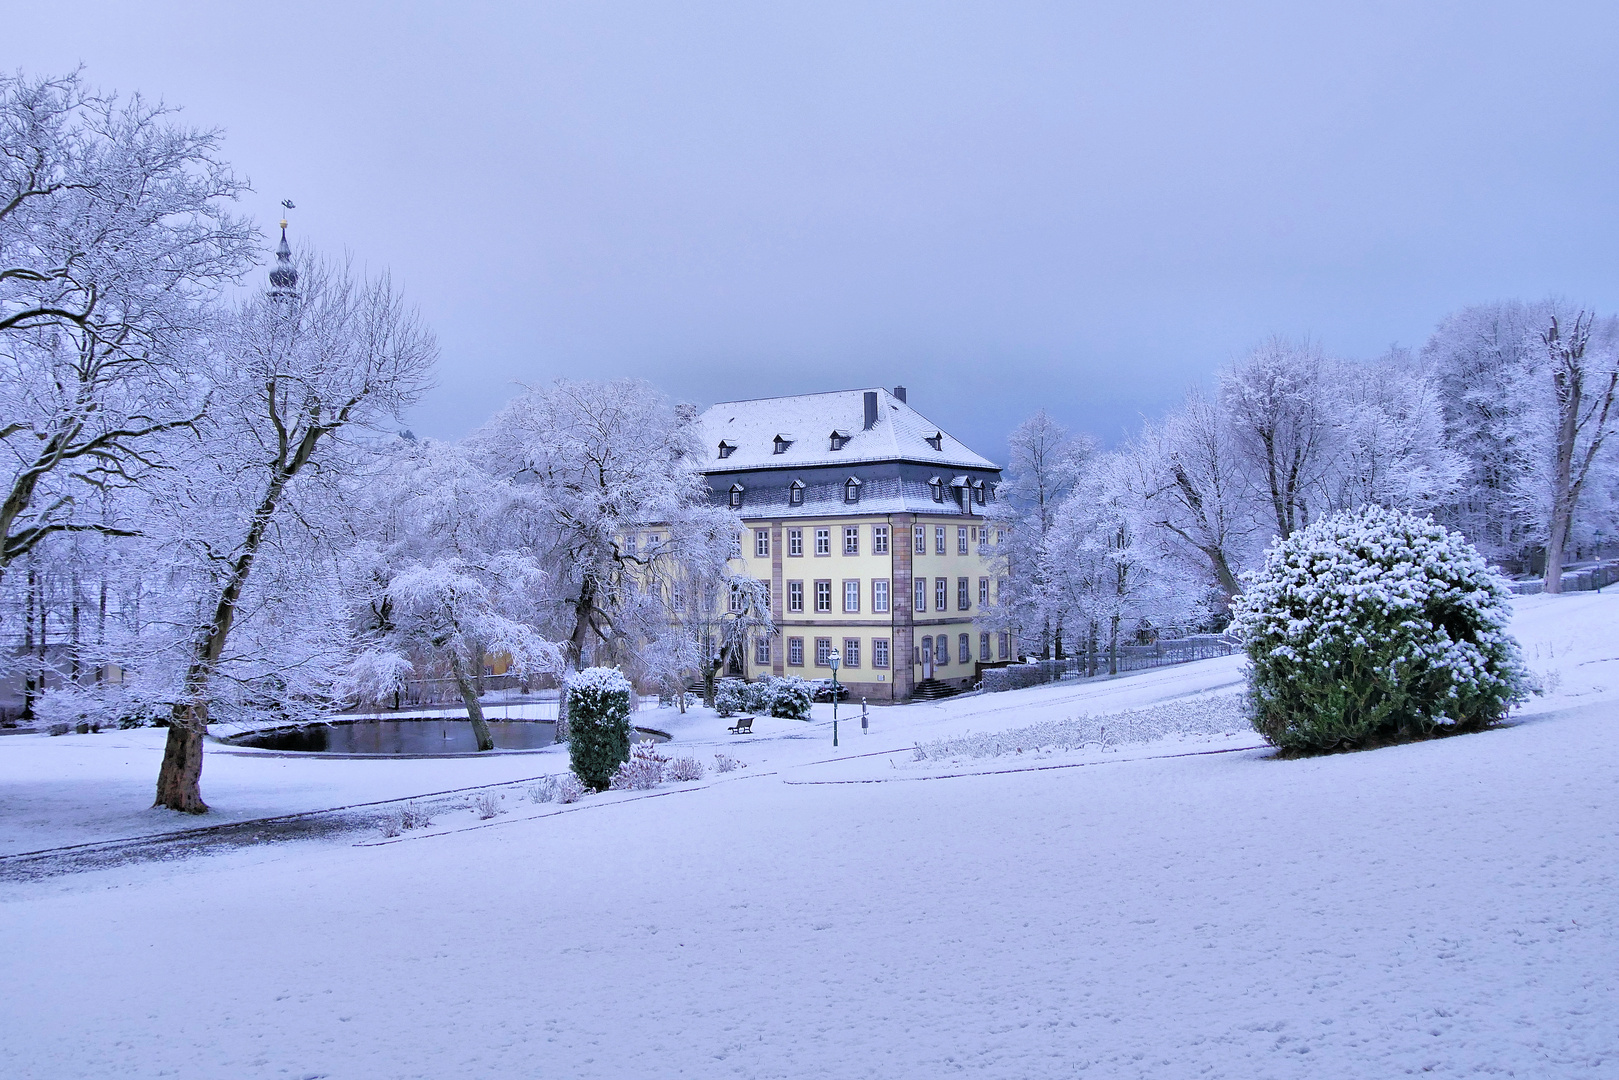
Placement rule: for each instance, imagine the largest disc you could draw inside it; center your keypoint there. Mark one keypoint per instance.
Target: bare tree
(1276, 401)
(1584, 378)
(1192, 489)
(1044, 463)
(608, 497)
(113, 244)
(319, 353)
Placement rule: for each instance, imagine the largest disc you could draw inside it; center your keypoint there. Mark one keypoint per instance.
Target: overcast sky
(1003, 206)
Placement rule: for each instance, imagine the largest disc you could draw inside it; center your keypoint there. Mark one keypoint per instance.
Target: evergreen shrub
(599, 725)
(788, 697)
(731, 697)
(1375, 626)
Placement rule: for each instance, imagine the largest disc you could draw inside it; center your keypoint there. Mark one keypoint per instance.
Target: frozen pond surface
(392, 738)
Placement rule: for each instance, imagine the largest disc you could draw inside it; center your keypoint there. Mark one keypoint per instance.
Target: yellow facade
(831, 588)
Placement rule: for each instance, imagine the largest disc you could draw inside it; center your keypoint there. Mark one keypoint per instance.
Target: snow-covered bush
(788, 697)
(599, 723)
(569, 788)
(731, 697)
(724, 763)
(1375, 626)
(487, 804)
(681, 769)
(644, 769)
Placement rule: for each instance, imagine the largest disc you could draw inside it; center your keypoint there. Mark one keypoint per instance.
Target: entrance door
(927, 658)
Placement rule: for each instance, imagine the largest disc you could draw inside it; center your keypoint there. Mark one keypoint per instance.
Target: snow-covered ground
(1110, 909)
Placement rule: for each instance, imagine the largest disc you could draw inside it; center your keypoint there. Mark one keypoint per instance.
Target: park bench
(744, 726)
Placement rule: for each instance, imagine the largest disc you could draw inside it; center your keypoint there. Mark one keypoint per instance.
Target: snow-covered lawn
(1448, 907)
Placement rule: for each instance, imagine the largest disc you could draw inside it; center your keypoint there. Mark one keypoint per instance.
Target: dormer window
(795, 493)
(782, 442)
(936, 440)
(736, 495)
(851, 490)
(936, 485)
(727, 448)
(838, 438)
(978, 492)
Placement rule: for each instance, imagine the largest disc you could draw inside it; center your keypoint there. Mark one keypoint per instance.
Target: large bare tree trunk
(1569, 370)
(179, 781)
(469, 695)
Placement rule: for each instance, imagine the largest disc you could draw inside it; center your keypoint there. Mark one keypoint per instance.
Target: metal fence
(1579, 579)
(1129, 658)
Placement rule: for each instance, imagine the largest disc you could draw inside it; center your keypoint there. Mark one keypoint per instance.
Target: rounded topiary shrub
(730, 697)
(790, 697)
(1375, 626)
(599, 725)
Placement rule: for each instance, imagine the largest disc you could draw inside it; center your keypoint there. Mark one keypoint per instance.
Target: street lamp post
(834, 658)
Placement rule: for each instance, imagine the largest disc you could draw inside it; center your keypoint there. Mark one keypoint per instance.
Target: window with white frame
(851, 595)
(851, 539)
(851, 490)
(823, 541)
(879, 595)
(983, 595)
(795, 543)
(964, 645)
(920, 588)
(851, 652)
(761, 543)
(941, 594)
(938, 540)
(963, 594)
(879, 539)
(961, 539)
(630, 545)
(761, 652)
(879, 652)
(795, 596)
(736, 496)
(795, 493)
(983, 647)
(737, 600)
(919, 540)
(1000, 590)
(823, 652)
(1003, 646)
(795, 651)
(823, 595)
(941, 650)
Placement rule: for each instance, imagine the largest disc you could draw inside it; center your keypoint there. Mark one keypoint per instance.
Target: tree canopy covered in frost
(1499, 428)
(115, 237)
(1373, 625)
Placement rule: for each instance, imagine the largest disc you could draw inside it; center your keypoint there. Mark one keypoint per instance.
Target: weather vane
(288, 204)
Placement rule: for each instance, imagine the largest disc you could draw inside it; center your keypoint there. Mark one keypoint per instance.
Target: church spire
(284, 278)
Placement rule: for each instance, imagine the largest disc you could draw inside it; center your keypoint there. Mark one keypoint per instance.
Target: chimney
(899, 392)
(871, 409)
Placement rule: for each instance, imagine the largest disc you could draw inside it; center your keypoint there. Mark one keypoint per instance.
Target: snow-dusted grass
(1443, 908)
(1211, 715)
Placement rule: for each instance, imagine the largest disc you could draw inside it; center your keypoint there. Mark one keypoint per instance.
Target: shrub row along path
(1446, 907)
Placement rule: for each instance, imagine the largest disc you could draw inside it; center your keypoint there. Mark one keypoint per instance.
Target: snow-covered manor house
(868, 522)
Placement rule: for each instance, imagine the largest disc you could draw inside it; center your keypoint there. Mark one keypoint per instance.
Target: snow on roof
(900, 433)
